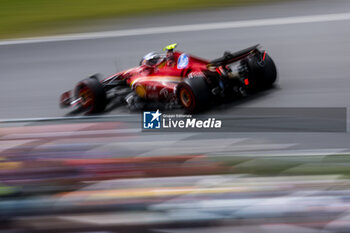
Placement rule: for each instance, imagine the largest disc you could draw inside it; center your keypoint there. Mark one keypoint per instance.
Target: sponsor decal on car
(196, 75)
(182, 61)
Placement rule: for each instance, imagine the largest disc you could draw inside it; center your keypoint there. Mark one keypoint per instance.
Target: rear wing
(233, 57)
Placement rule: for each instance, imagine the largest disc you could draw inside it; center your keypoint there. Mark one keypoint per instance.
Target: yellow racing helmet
(170, 47)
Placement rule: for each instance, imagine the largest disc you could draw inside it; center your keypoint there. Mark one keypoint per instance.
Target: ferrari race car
(177, 79)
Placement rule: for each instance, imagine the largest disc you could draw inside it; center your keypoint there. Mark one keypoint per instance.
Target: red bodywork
(159, 82)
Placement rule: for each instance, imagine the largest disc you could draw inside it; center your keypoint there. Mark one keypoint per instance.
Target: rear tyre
(92, 94)
(193, 94)
(260, 73)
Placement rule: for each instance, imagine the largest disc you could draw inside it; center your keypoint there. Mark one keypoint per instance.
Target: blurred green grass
(21, 18)
(288, 165)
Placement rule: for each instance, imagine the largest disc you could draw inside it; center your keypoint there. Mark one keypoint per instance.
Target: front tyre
(92, 95)
(193, 94)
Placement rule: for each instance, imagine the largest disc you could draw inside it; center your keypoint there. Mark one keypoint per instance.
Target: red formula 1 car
(177, 79)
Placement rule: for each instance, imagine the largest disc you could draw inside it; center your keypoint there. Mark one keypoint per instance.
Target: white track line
(68, 133)
(185, 28)
(4, 121)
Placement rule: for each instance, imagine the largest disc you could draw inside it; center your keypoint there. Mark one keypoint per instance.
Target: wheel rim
(185, 97)
(86, 97)
(141, 91)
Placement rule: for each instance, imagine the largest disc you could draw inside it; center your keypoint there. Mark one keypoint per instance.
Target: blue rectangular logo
(152, 120)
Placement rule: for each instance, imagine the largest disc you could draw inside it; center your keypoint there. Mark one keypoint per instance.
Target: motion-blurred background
(64, 173)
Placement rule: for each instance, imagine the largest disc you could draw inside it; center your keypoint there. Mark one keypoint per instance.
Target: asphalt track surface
(312, 60)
